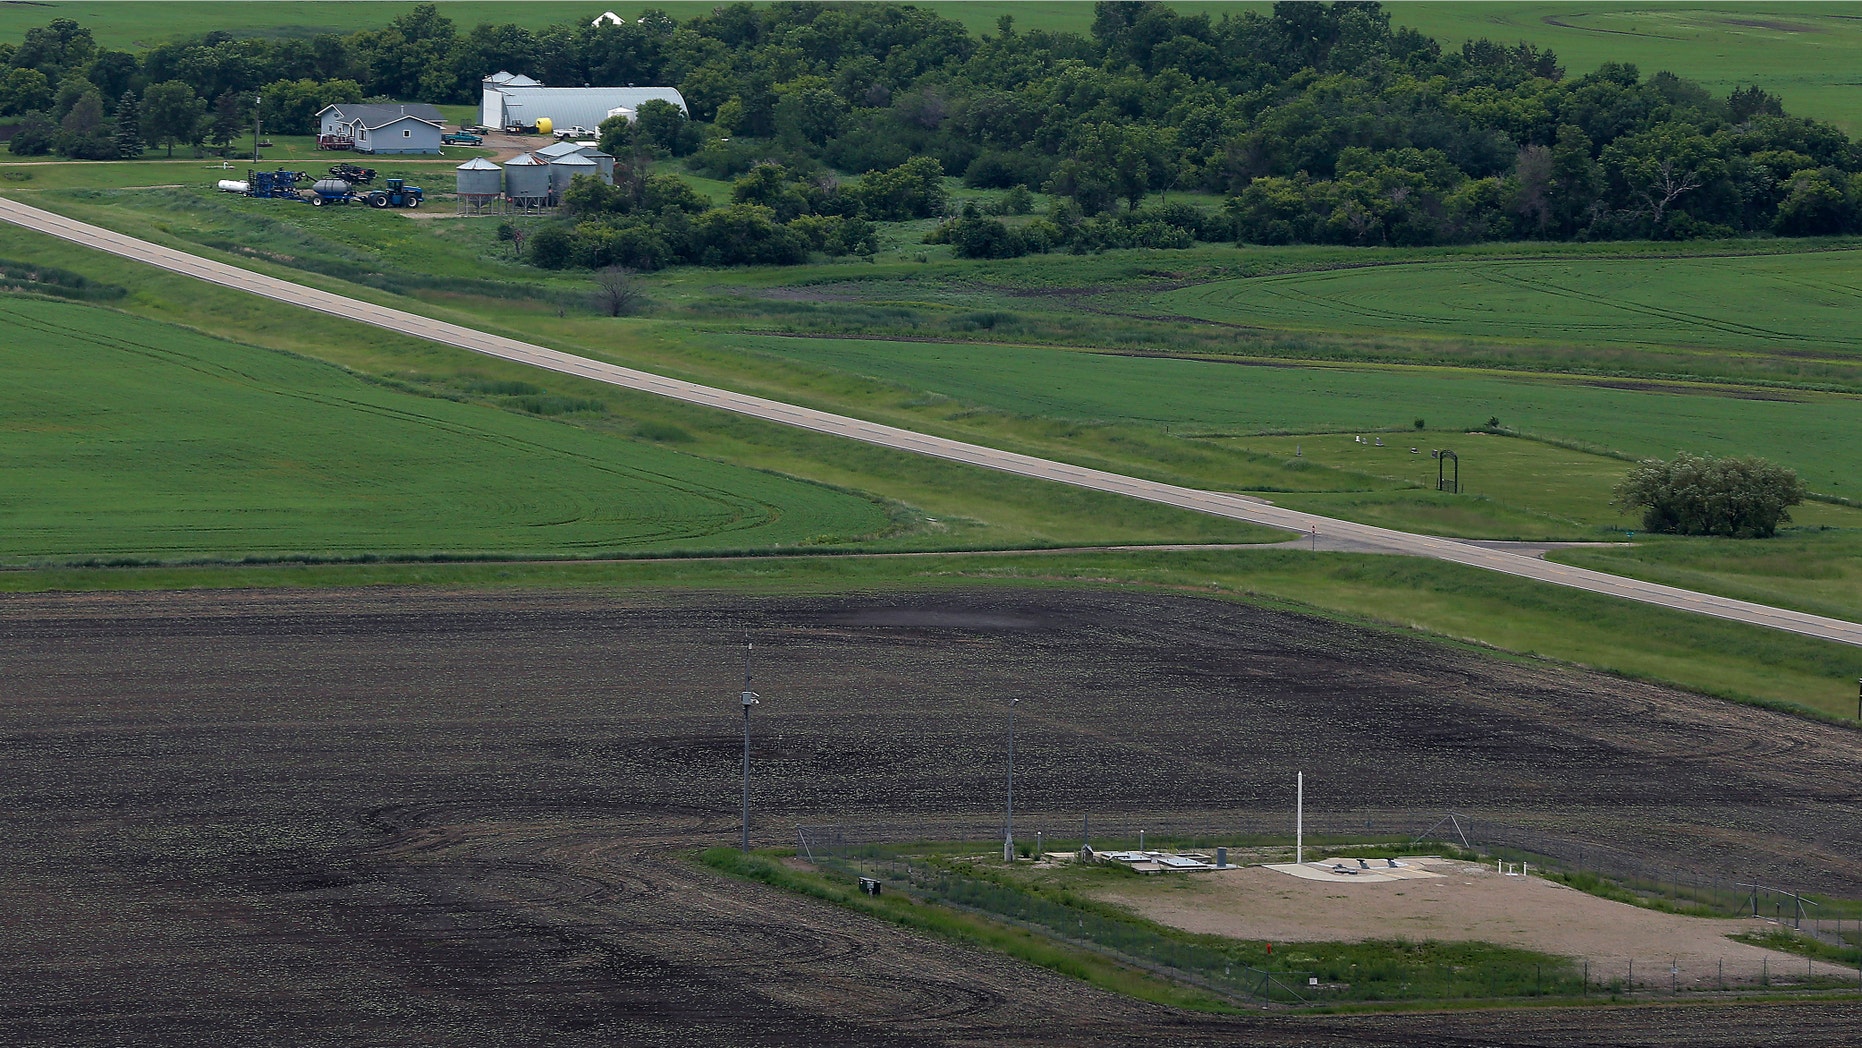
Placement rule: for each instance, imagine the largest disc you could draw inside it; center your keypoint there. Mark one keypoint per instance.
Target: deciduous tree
(1700, 495)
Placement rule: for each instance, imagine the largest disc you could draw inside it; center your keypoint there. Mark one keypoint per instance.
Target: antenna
(1008, 825)
(749, 700)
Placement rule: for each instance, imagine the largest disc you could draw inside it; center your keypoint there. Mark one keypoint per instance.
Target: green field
(972, 507)
(1802, 305)
(1801, 51)
(1811, 432)
(1203, 421)
(126, 438)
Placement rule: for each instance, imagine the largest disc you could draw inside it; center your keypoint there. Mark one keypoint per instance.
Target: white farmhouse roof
(373, 116)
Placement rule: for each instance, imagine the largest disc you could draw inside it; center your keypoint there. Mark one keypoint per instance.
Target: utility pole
(1008, 824)
(1299, 821)
(749, 700)
(258, 108)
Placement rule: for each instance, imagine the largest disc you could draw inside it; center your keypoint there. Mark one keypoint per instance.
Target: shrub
(1701, 495)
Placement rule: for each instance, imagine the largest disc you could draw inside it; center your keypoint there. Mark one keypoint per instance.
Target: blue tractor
(395, 192)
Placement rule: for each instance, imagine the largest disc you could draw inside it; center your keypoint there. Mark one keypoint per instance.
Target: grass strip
(971, 930)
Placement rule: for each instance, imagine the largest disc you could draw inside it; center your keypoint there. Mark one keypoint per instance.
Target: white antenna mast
(749, 700)
(1008, 824)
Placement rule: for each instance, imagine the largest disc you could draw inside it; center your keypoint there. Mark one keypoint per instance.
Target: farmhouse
(393, 127)
(509, 99)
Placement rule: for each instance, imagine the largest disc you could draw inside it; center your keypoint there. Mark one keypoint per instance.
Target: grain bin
(479, 179)
(564, 168)
(526, 180)
(604, 162)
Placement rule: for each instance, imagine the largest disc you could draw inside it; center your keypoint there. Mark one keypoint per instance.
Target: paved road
(1334, 533)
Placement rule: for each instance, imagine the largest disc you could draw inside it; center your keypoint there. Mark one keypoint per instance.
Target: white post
(1299, 821)
(1008, 823)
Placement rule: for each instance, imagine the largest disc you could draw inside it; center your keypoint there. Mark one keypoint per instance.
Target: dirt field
(382, 817)
(1469, 901)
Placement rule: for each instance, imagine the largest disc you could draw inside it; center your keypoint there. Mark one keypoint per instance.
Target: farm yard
(307, 843)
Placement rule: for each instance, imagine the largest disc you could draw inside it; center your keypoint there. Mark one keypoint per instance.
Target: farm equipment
(331, 191)
(273, 185)
(397, 193)
(355, 176)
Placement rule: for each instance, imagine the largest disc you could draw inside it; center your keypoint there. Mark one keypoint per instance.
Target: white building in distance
(513, 100)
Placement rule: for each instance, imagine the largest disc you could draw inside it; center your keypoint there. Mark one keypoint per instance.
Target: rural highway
(1219, 504)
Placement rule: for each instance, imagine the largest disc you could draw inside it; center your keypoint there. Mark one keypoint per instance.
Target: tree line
(1314, 123)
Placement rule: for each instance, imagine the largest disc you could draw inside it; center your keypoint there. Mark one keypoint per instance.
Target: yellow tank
(545, 125)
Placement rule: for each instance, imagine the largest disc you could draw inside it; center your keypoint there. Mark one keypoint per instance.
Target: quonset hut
(509, 100)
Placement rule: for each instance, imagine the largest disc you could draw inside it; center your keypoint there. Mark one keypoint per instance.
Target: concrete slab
(1348, 870)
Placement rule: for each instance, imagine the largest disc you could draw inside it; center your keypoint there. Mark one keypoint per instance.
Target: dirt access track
(392, 817)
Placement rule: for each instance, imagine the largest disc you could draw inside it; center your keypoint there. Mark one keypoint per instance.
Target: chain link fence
(902, 856)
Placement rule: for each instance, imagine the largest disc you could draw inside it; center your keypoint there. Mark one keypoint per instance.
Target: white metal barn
(509, 99)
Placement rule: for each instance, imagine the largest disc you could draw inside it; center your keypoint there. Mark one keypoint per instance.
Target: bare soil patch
(1471, 902)
(408, 817)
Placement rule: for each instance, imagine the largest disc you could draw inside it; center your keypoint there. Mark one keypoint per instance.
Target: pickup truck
(563, 134)
(461, 138)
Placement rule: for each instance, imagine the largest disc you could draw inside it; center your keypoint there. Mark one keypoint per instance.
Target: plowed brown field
(387, 817)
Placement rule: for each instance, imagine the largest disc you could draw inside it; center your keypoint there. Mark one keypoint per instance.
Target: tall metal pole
(749, 700)
(1008, 825)
(1299, 821)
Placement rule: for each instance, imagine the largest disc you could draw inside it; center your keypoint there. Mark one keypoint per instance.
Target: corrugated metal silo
(480, 179)
(526, 179)
(604, 161)
(564, 168)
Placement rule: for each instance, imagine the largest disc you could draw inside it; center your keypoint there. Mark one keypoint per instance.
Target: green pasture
(127, 438)
(1802, 52)
(1198, 421)
(1811, 432)
(1131, 301)
(1812, 567)
(1802, 305)
(956, 506)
